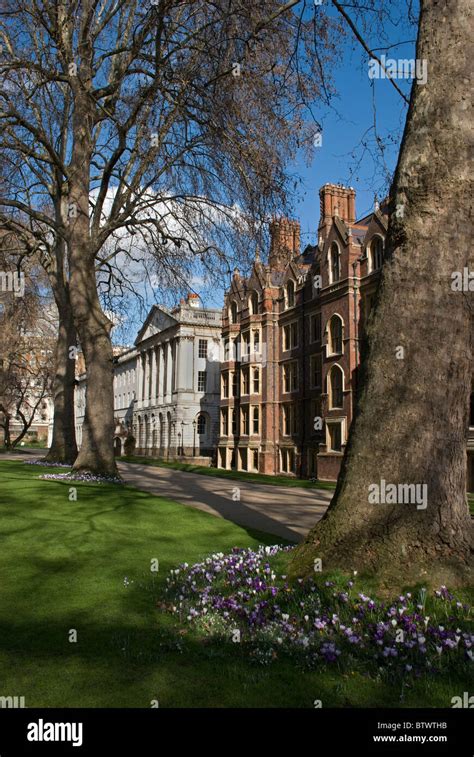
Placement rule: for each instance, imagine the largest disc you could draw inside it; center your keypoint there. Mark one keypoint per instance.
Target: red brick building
(292, 338)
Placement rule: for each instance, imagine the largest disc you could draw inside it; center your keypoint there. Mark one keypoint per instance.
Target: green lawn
(258, 478)
(63, 565)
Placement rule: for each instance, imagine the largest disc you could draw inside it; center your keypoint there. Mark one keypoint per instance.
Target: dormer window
(376, 253)
(253, 303)
(233, 312)
(334, 264)
(290, 294)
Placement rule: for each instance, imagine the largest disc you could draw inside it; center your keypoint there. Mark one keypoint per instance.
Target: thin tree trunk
(412, 417)
(63, 446)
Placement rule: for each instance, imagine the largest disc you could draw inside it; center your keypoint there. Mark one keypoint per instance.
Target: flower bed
(85, 477)
(46, 464)
(239, 597)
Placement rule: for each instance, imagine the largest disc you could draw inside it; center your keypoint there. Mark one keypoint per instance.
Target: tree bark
(411, 419)
(93, 327)
(63, 446)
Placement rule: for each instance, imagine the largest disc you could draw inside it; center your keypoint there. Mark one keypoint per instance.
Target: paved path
(284, 511)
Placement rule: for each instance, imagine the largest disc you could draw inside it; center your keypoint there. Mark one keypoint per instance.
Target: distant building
(292, 336)
(166, 389)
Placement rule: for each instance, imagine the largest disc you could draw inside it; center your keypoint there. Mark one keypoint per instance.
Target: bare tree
(111, 110)
(26, 353)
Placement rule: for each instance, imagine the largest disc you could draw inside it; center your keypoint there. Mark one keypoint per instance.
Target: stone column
(169, 371)
(156, 385)
(151, 382)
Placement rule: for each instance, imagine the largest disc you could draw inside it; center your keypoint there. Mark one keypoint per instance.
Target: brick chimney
(284, 241)
(336, 201)
(192, 300)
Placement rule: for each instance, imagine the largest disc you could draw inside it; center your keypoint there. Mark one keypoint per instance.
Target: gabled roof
(158, 319)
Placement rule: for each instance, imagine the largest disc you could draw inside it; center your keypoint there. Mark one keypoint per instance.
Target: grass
(63, 565)
(259, 478)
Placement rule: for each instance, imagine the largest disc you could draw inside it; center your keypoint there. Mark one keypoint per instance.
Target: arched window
(336, 387)
(334, 263)
(233, 312)
(335, 335)
(290, 294)
(253, 303)
(376, 253)
(201, 424)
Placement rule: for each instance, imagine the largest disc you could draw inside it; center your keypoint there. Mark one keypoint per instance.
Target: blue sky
(345, 125)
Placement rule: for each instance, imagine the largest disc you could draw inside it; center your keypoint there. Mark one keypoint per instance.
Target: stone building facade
(292, 336)
(166, 388)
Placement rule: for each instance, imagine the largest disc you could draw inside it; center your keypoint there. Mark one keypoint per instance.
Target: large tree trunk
(63, 446)
(93, 326)
(412, 417)
(97, 450)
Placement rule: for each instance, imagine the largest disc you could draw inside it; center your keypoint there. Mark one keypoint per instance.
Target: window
(255, 420)
(290, 294)
(290, 336)
(335, 335)
(245, 381)
(225, 385)
(290, 376)
(376, 253)
(225, 421)
(255, 459)
(334, 437)
(315, 372)
(202, 381)
(233, 312)
(287, 464)
(335, 387)
(201, 425)
(244, 418)
(235, 384)
(255, 381)
(315, 328)
(202, 352)
(289, 420)
(256, 340)
(253, 303)
(335, 272)
(246, 343)
(234, 422)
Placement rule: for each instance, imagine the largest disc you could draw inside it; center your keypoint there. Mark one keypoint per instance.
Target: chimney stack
(284, 241)
(336, 201)
(192, 300)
